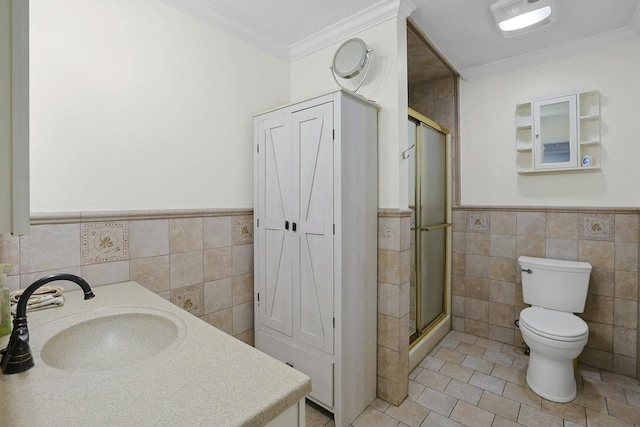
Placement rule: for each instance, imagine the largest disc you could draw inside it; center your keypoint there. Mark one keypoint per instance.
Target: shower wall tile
(562, 225)
(148, 238)
(10, 250)
(487, 296)
(602, 282)
(217, 232)
(105, 242)
(503, 222)
(151, 272)
(597, 227)
(242, 230)
(565, 249)
(50, 247)
(626, 285)
(531, 224)
(186, 234)
(185, 269)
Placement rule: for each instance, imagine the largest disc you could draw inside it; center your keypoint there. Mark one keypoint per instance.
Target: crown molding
(565, 50)
(345, 28)
(206, 12)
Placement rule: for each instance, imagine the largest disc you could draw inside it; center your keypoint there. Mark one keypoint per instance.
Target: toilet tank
(555, 284)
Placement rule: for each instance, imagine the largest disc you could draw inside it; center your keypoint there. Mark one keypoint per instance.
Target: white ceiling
(462, 30)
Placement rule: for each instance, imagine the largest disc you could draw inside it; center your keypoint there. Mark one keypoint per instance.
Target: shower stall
(429, 160)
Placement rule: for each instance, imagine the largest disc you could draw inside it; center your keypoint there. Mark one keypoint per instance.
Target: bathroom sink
(108, 338)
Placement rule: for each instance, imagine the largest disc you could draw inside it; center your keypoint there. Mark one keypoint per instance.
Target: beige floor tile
(409, 413)
(415, 372)
(633, 397)
(436, 420)
(463, 391)
(533, 417)
(625, 412)
(620, 380)
(499, 357)
(477, 364)
(588, 371)
(415, 390)
(499, 405)
(598, 419)
(449, 343)
(604, 389)
(522, 394)
(373, 418)
(458, 372)
(498, 421)
(471, 415)
(591, 401)
(437, 401)
(514, 351)
(462, 337)
(433, 380)
(509, 374)
(487, 382)
(432, 363)
(314, 418)
(380, 405)
(568, 411)
(471, 349)
(489, 344)
(450, 355)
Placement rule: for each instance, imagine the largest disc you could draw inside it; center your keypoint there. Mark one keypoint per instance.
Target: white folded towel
(43, 297)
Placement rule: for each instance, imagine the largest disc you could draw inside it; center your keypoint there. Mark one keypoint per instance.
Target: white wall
(487, 133)
(136, 105)
(387, 85)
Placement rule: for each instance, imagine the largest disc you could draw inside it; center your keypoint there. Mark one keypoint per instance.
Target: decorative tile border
(242, 230)
(597, 227)
(189, 298)
(479, 223)
(105, 242)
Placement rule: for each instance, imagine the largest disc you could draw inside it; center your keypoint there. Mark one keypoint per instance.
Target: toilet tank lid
(554, 264)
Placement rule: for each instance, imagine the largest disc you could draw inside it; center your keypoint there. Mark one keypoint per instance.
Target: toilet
(556, 290)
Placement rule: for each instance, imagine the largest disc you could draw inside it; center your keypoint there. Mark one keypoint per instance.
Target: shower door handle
(435, 227)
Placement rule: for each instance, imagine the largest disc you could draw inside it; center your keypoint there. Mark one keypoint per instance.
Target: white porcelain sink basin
(108, 338)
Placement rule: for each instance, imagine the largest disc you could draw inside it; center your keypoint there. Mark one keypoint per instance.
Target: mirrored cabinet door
(555, 133)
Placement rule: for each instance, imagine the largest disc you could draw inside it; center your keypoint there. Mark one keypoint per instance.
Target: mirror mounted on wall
(352, 59)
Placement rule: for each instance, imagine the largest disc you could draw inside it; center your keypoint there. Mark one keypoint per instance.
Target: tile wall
(438, 100)
(200, 260)
(394, 257)
(486, 282)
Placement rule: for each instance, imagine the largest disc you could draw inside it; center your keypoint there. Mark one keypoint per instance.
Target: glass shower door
(430, 222)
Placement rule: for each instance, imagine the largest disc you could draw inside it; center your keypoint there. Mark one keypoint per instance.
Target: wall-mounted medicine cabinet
(559, 134)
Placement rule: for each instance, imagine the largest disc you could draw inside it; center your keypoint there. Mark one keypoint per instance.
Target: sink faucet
(17, 356)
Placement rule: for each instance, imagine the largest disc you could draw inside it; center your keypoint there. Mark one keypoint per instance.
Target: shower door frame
(419, 332)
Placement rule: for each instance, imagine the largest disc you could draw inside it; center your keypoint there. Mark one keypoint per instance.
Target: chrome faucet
(17, 356)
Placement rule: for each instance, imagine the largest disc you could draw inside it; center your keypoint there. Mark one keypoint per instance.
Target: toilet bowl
(556, 289)
(555, 338)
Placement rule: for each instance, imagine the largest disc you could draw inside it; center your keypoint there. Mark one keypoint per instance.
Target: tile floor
(472, 381)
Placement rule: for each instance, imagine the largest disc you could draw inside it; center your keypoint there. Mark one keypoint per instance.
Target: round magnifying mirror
(350, 58)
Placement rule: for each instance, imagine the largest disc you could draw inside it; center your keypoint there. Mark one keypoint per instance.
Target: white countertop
(209, 378)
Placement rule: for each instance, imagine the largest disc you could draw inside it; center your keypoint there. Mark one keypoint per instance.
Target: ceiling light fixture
(516, 17)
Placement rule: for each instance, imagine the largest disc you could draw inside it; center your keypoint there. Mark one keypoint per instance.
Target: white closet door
(312, 149)
(274, 208)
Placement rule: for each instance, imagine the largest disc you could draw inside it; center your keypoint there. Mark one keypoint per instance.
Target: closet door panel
(275, 243)
(312, 149)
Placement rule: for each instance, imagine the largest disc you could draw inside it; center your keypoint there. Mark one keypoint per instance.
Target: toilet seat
(552, 324)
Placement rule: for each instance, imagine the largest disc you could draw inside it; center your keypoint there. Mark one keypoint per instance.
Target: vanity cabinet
(559, 134)
(14, 116)
(315, 245)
